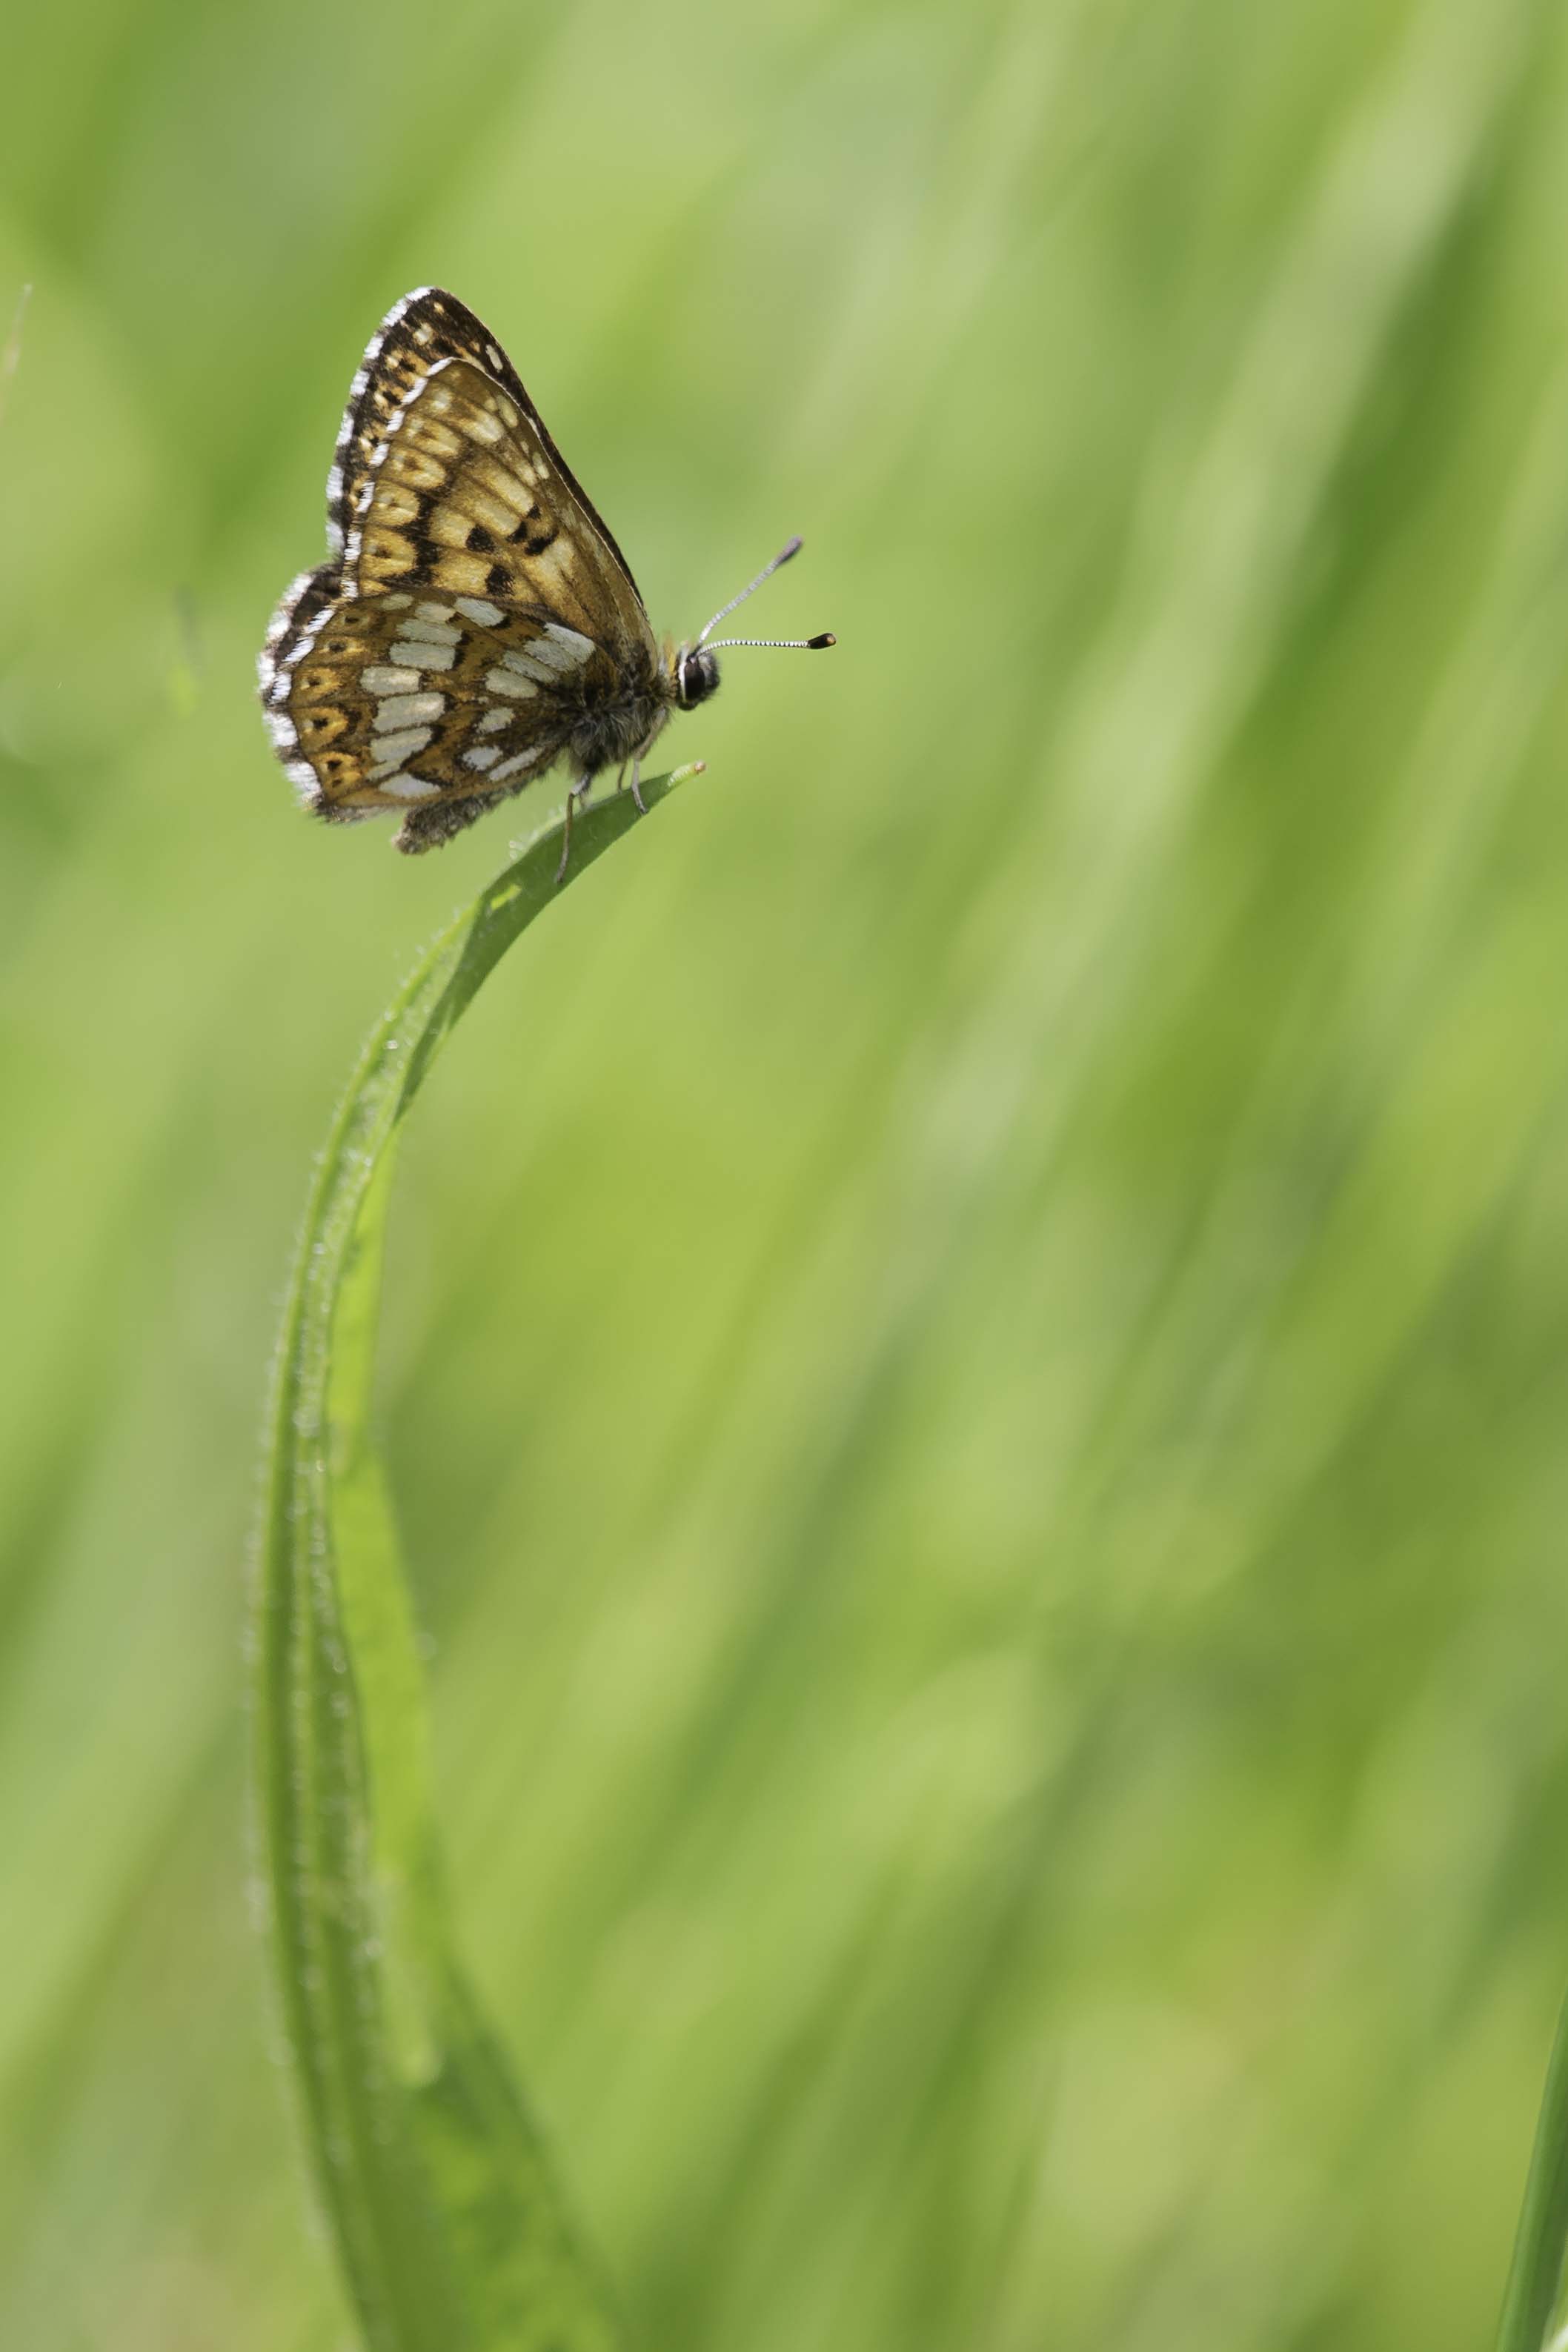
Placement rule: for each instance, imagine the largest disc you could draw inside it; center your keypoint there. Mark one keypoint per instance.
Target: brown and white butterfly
(475, 621)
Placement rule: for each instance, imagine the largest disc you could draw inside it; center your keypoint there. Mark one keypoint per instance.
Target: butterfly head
(696, 676)
(694, 668)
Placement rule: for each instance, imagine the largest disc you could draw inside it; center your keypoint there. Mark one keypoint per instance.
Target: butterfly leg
(636, 780)
(579, 792)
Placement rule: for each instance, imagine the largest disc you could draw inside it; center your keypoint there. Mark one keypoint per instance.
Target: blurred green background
(975, 1355)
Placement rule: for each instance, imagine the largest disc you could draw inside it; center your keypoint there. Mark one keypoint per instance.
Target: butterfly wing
(425, 335)
(479, 617)
(394, 701)
(463, 496)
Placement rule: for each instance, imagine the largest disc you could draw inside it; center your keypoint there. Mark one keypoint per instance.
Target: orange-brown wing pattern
(402, 702)
(417, 335)
(461, 495)
(476, 619)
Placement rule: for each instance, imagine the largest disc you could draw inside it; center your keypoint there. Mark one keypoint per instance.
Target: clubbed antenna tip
(766, 572)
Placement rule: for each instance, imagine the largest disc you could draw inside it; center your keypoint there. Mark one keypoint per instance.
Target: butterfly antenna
(803, 645)
(784, 644)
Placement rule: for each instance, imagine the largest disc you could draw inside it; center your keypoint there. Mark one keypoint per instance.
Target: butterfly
(475, 621)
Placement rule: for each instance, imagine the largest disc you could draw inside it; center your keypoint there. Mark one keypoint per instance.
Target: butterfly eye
(697, 675)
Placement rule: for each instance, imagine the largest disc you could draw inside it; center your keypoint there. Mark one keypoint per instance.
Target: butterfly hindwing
(394, 701)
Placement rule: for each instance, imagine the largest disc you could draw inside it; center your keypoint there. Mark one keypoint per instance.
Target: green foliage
(973, 1367)
(441, 2200)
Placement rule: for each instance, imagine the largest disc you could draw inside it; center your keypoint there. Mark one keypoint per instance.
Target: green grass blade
(1535, 2280)
(452, 2234)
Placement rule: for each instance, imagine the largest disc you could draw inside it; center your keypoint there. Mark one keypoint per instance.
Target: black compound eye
(698, 678)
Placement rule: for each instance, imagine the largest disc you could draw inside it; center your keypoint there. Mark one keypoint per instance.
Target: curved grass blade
(1535, 2281)
(452, 2234)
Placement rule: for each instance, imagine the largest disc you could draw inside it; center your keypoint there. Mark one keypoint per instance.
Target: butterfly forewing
(417, 335)
(462, 496)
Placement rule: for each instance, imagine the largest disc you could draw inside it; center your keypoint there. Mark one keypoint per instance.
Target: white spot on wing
(527, 664)
(563, 648)
(479, 609)
(334, 492)
(390, 751)
(539, 659)
(507, 682)
(425, 656)
(482, 755)
(383, 678)
(408, 788)
(493, 721)
(493, 356)
(408, 710)
(515, 767)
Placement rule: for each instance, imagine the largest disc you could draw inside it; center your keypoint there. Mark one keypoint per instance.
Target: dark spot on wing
(533, 541)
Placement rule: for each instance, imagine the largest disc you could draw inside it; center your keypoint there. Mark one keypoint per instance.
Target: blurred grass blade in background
(451, 2231)
(11, 352)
